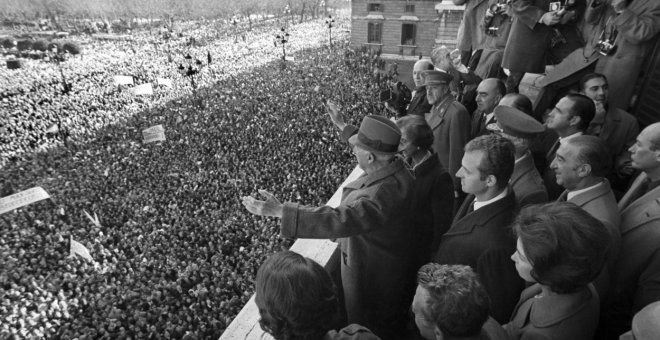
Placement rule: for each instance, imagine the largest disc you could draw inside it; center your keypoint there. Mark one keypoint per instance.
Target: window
(408, 33)
(409, 9)
(374, 7)
(374, 32)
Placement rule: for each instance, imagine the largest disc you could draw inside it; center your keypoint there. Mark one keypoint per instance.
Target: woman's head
(296, 297)
(560, 246)
(416, 135)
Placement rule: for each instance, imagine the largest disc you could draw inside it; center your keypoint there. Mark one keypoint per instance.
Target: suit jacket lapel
(464, 223)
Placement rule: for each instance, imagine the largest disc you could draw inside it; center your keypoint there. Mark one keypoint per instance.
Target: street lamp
(282, 38)
(329, 21)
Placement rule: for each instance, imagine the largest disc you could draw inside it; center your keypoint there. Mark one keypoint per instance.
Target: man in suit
(614, 126)
(569, 118)
(529, 39)
(520, 128)
(371, 223)
(419, 105)
(449, 121)
(636, 278)
(480, 236)
(489, 93)
(580, 166)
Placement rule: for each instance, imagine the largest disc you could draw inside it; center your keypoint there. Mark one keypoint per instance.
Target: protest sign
(22, 198)
(123, 80)
(154, 134)
(165, 82)
(78, 249)
(144, 89)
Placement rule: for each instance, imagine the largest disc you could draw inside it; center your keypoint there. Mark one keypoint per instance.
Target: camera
(497, 8)
(556, 6)
(398, 96)
(607, 43)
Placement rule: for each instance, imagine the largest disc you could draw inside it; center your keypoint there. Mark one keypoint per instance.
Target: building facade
(406, 29)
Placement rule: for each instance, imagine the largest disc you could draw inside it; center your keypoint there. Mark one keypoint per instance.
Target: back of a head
(518, 101)
(499, 157)
(416, 130)
(566, 246)
(583, 107)
(440, 57)
(457, 302)
(593, 151)
(296, 297)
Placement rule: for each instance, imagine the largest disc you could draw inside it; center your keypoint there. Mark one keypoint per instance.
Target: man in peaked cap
(370, 223)
(450, 122)
(520, 128)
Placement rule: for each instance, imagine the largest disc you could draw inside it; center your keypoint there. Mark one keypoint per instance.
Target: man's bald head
(645, 153)
(418, 70)
(489, 93)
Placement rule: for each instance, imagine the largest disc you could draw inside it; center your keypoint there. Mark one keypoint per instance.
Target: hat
(517, 123)
(437, 78)
(377, 134)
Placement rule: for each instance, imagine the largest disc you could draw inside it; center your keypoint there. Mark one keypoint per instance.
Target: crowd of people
(175, 254)
(553, 205)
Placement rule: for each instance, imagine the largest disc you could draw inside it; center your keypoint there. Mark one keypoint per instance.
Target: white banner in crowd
(78, 249)
(164, 82)
(22, 198)
(154, 134)
(145, 89)
(123, 80)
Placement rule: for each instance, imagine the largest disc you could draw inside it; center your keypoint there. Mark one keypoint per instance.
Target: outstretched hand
(335, 115)
(270, 207)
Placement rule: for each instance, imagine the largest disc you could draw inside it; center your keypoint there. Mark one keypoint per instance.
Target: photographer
(634, 30)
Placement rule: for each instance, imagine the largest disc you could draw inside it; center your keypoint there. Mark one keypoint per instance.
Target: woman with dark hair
(561, 248)
(433, 198)
(297, 300)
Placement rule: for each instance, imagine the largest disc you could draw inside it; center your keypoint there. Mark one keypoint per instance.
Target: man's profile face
(565, 166)
(418, 72)
(435, 93)
(362, 156)
(560, 117)
(419, 308)
(641, 153)
(487, 96)
(470, 175)
(597, 89)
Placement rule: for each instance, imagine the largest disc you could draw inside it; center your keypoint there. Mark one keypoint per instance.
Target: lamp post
(329, 21)
(190, 70)
(282, 38)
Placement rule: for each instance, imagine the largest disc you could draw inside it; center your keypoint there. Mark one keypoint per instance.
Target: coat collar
(477, 218)
(583, 198)
(430, 164)
(367, 179)
(524, 165)
(550, 310)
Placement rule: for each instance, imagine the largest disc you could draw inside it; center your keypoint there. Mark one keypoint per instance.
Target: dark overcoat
(529, 40)
(483, 240)
(372, 225)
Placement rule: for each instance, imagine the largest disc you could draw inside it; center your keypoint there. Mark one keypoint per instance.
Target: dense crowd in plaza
(480, 212)
(175, 252)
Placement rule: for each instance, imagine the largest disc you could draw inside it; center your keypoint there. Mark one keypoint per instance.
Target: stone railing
(245, 325)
